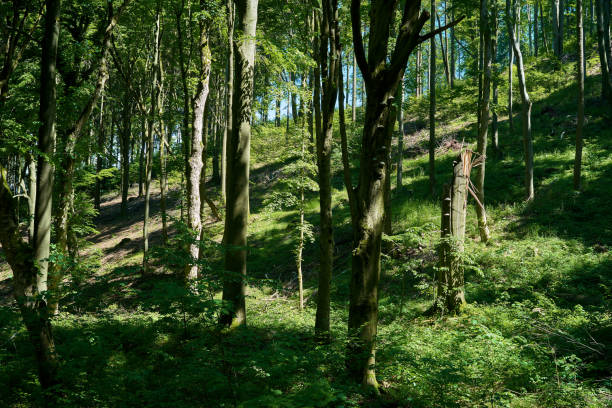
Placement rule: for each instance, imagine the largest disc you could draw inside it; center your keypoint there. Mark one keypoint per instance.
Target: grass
(537, 331)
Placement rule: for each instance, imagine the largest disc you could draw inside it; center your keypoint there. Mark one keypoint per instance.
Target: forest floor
(537, 331)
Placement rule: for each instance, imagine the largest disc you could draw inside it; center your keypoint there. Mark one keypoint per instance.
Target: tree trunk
(237, 207)
(495, 81)
(536, 40)
(229, 89)
(432, 103)
(452, 51)
(557, 18)
(141, 158)
(400, 135)
(184, 68)
(163, 143)
(99, 156)
(354, 95)
(31, 197)
(194, 170)
(580, 74)
(30, 262)
(483, 227)
(329, 58)
(124, 145)
(382, 73)
(510, 83)
(151, 116)
(449, 297)
(606, 85)
(526, 108)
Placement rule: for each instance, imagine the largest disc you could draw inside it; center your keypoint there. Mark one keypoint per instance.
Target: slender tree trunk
(300, 247)
(481, 148)
(432, 103)
(452, 51)
(354, 95)
(606, 31)
(543, 29)
(444, 55)
(194, 171)
(495, 81)
(184, 68)
(329, 58)
(510, 83)
(141, 158)
(237, 207)
(125, 152)
(400, 135)
(150, 124)
(536, 40)
(580, 74)
(526, 108)
(99, 155)
(163, 144)
(31, 197)
(606, 85)
(557, 18)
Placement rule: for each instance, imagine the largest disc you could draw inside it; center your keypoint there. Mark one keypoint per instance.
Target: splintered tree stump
(449, 294)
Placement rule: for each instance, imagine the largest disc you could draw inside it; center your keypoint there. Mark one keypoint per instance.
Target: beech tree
(525, 106)
(238, 155)
(382, 71)
(29, 261)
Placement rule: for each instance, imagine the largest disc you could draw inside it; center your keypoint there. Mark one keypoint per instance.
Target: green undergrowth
(537, 331)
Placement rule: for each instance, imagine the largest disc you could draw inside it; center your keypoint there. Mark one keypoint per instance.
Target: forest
(284, 203)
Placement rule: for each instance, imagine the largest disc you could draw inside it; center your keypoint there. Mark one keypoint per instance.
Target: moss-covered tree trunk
(238, 157)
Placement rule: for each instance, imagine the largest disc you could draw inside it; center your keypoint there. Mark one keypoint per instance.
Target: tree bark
(483, 227)
(606, 85)
(124, 145)
(229, 96)
(151, 116)
(354, 95)
(100, 155)
(580, 79)
(449, 297)
(525, 108)
(432, 104)
(329, 61)
(495, 82)
(400, 135)
(557, 21)
(237, 207)
(194, 170)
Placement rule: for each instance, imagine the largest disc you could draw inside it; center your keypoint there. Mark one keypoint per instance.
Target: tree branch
(427, 36)
(358, 39)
